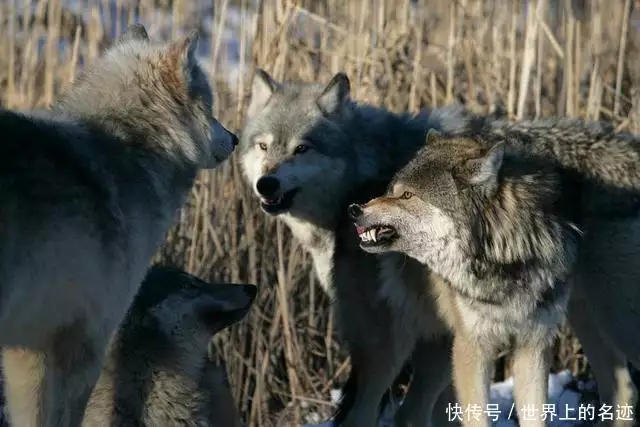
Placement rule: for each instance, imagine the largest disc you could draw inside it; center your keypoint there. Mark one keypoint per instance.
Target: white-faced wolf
(88, 191)
(515, 215)
(308, 151)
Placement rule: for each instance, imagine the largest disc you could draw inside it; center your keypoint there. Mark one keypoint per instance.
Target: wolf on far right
(528, 222)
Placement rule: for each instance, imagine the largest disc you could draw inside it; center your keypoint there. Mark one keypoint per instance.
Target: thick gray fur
(513, 214)
(89, 189)
(158, 370)
(351, 151)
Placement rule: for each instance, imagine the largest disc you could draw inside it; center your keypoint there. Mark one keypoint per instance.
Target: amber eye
(300, 149)
(263, 146)
(406, 195)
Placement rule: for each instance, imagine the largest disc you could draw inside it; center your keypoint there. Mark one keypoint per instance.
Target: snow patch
(501, 394)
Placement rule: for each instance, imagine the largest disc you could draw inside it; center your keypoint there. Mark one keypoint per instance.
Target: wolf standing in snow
(307, 151)
(158, 371)
(88, 191)
(512, 214)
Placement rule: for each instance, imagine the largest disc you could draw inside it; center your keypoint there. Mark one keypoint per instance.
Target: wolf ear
(133, 32)
(262, 87)
(484, 170)
(183, 52)
(224, 304)
(335, 95)
(432, 136)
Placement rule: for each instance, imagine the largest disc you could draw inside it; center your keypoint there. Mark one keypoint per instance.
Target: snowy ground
(564, 409)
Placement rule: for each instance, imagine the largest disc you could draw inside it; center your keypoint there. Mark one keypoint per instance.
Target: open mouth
(282, 204)
(376, 235)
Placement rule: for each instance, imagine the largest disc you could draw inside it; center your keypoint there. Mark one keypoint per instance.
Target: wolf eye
(406, 195)
(262, 146)
(300, 149)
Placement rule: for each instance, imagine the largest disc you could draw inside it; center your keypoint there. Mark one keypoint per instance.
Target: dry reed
(526, 58)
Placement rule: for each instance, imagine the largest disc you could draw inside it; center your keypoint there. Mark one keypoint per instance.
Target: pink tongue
(360, 229)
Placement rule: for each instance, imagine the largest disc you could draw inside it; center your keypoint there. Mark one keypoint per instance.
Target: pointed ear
(484, 170)
(185, 49)
(432, 136)
(335, 95)
(262, 87)
(223, 304)
(133, 32)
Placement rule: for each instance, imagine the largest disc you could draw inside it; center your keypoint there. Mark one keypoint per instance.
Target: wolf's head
(159, 370)
(183, 307)
(459, 204)
(154, 94)
(294, 147)
(180, 313)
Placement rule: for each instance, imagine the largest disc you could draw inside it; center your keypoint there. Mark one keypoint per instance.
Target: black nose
(268, 186)
(354, 211)
(234, 139)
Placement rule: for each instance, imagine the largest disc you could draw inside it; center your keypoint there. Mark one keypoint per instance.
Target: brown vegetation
(524, 58)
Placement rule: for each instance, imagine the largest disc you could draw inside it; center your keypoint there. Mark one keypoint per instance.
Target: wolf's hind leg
(51, 387)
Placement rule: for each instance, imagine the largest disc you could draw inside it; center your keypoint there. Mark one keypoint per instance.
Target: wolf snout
(230, 139)
(268, 187)
(354, 211)
(224, 141)
(250, 291)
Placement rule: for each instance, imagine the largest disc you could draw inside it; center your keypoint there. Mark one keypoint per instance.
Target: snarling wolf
(515, 215)
(308, 150)
(89, 189)
(158, 370)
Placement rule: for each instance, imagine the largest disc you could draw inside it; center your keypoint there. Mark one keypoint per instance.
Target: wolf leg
(376, 373)
(431, 361)
(378, 355)
(51, 387)
(471, 376)
(531, 364)
(441, 414)
(608, 364)
(24, 385)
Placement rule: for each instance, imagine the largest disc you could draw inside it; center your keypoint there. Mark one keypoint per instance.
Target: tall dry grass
(525, 59)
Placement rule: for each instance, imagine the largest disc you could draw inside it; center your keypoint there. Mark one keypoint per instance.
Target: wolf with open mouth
(308, 151)
(527, 222)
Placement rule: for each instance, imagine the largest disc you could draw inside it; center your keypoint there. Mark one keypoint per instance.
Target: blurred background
(524, 59)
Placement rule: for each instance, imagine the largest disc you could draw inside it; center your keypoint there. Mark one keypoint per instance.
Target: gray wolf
(158, 370)
(514, 217)
(88, 190)
(307, 151)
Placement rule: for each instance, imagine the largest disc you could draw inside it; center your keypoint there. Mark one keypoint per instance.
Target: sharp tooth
(373, 234)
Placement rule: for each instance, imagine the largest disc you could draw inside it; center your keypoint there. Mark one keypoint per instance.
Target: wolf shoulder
(50, 164)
